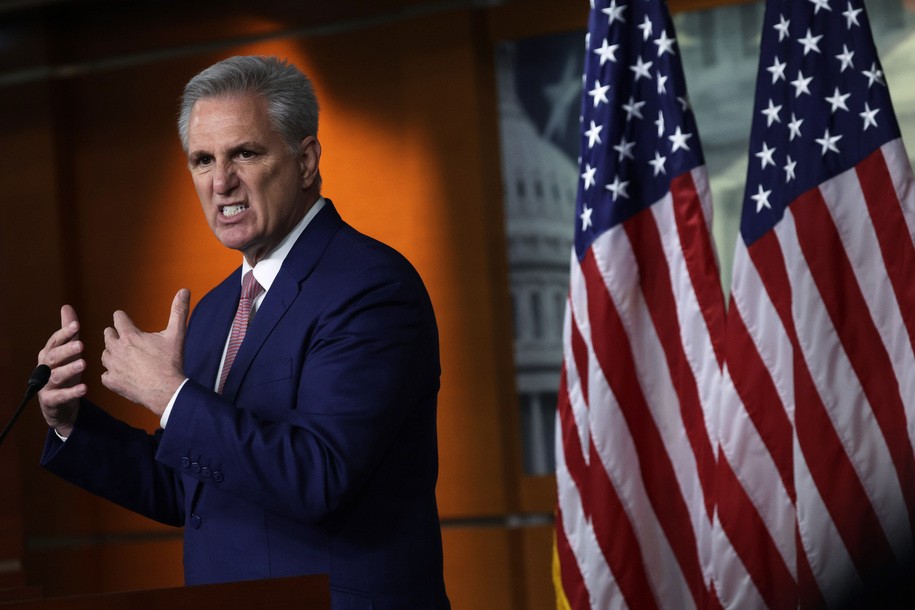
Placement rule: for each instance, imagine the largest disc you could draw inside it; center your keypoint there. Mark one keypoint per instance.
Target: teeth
(232, 210)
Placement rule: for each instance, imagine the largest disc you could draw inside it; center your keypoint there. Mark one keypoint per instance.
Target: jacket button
(195, 467)
(217, 476)
(195, 521)
(205, 471)
(185, 462)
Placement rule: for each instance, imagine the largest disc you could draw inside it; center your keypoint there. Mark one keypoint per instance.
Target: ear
(309, 160)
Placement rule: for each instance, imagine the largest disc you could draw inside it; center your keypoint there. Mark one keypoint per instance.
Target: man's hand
(63, 353)
(147, 368)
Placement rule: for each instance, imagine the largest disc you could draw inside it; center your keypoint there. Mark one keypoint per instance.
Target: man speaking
(298, 405)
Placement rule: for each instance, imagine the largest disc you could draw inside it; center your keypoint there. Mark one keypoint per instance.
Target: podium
(305, 592)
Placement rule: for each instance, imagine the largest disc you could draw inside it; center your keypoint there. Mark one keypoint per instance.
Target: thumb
(177, 319)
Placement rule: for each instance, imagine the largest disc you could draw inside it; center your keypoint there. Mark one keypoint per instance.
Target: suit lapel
(211, 324)
(301, 260)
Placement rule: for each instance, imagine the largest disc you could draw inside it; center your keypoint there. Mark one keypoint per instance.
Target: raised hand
(147, 368)
(63, 353)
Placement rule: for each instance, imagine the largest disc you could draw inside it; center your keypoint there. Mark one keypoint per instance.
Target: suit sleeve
(107, 457)
(369, 371)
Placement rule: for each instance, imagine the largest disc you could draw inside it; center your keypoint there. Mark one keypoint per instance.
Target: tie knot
(249, 286)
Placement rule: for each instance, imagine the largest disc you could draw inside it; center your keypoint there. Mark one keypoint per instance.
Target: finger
(60, 337)
(177, 319)
(67, 375)
(67, 316)
(110, 335)
(110, 381)
(123, 324)
(58, 396)
(61, 354)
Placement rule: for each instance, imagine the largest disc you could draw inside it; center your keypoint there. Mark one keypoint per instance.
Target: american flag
(643, 333)
(816, 472)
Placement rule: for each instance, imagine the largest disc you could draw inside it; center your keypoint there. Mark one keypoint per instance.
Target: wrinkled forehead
(224, 118)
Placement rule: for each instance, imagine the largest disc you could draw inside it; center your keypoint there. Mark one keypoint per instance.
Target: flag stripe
(654, 277)
(620, 458)
(862, 243)
(751, 540)
(611, 527)
(760, 398)
(573, 585)
(829, 464)
(698, 250)
(809, 595)
(734, 587)
(831, 270)
(893, 237)
(589, 560)
(659, 479)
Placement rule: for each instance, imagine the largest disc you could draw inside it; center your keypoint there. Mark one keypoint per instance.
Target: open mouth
(232, 210)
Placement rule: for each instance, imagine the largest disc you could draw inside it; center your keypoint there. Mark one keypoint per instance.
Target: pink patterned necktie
(249, 291)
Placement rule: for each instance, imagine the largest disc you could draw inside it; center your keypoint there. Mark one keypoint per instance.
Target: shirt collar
(268, 267)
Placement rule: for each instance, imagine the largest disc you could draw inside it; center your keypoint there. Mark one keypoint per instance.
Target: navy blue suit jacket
(320, 456)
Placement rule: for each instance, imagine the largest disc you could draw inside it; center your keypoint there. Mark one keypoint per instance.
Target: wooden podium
(305, 592)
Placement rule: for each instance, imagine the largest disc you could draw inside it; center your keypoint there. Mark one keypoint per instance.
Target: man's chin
(233, 239)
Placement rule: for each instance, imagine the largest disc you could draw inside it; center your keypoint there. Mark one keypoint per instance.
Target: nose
(225, 179)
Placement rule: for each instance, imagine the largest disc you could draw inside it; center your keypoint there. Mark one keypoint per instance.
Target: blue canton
(822, 105)
(638, 132)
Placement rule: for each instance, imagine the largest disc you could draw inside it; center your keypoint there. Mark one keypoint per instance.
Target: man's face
(253, 189)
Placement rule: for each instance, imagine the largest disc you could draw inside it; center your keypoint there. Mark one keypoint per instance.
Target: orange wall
(409, 134)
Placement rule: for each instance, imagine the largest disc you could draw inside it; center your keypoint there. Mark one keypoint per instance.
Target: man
(298, 410)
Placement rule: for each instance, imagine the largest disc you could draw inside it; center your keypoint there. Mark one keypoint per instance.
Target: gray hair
(291, 102)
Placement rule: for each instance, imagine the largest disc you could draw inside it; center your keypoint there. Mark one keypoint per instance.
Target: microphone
(37, 380)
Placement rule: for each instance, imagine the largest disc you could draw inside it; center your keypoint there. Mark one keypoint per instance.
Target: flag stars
(851, 16)
(659, 123)
(658, 164)
(665, 44)
(593, 134)
(838, 100)
(868, 116)
(618, 188)
(585, 217)
(794, 128)
(777, 70)
(640, 68)
(614, 13)
(874, 75)
(810, 42)
(789, 169)
(607, 52)
(678, 140)
(845, 57)
(662, 83)
(645, 26)
(588, 176)
(820, 4)
(801, 84)
(761, 198)
(599, 94)
(633, 108)
(828, 142)
(772, 114)
(624, 149)
(765, 156)
(782, 27)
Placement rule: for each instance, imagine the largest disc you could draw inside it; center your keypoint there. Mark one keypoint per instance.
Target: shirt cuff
(171, 403)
